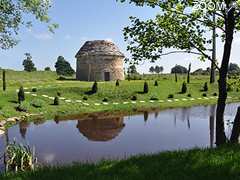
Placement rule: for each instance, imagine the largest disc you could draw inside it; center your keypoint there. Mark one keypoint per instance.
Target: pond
(114, 137)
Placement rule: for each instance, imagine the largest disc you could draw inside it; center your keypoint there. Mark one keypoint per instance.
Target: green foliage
(155, 83)
(105, 99)
(21, 95)
(94, 87)
(56, 101)
(229, 87)
(204, 95)
(4, 80)
(170, 96)
(176, 78)
(47, 69)
(134, 98)
(145, 88)
(205, 87)
(85, 98)
(179, 69)
(59, 94)
(63, 67)
(184, 88)
(15, 14)
(188, 75)
(214, 94)
(19, 157)
(28, 64)
(189, 95)
(37, 103)
(233, 68)
(34, 89)
(117, 83)
(153, 98)
(132, 69)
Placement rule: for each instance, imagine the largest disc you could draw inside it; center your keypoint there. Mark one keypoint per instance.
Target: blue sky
(80, 21)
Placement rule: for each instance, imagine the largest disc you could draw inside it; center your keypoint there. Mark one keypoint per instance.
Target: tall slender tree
(4, 80)
(184, 26)
(188, 74)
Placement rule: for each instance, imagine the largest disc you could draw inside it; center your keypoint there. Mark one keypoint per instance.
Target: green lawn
(221, 163)
(47, 84)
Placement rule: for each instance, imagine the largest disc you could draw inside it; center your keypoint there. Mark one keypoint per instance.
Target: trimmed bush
(4, 80)
(105, 100)
(237, 90)
(134, 98)
(184, 88)
(153, 98)
(204, 95)
(145, 88)
(34, 89)
(56, 101)
(85, 98)
(21, 95)
(214, 94)
(59, 94)
(95, 87)
(205, 87)
(189, 95)
(117, 83)
(170, 96)
(37, 103)
(156, 83)
(229, 88)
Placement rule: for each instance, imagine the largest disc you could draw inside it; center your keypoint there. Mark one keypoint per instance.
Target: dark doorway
(107, 76)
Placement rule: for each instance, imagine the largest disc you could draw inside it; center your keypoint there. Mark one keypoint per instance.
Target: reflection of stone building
(101, 129)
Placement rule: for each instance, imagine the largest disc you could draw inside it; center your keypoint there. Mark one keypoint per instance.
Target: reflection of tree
(156, 114)
(101, 128)
(211, 124)
(23, 125)
(145, 115)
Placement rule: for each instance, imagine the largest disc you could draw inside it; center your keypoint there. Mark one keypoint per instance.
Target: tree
(188, 73)
(28, 64)
(21, 95)
(151, 69)
(187, 30)
(4, 80)
(158, 69)
(63, 67)
(233, 68)
(47, 69)
(12, 18)
(132, 69)
(179, 69)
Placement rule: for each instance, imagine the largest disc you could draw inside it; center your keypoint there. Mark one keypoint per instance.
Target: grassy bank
(221, 163)
(118, 98)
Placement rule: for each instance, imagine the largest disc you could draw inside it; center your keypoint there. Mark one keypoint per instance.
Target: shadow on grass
(13, 101)
(222, 163)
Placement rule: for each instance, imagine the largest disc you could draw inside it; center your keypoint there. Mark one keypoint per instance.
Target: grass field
(222, 163)
(119, 98)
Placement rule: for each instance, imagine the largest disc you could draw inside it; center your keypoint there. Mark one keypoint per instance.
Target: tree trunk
(213, 71)
(222, 84)
(236, 128)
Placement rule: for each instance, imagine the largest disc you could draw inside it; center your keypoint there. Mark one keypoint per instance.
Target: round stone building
(99, 61)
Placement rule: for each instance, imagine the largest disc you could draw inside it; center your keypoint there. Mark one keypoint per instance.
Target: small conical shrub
(156, 83)
(145, 87)
(117, 83)
(56, 101)
(95, 87)
(184, 88)
(176, 78)
(4, 80)
(205, 87)
(21, 95)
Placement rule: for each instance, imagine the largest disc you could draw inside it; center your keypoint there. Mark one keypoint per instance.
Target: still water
(95, 138)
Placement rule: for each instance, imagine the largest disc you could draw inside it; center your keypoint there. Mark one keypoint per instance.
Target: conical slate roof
(99, 47)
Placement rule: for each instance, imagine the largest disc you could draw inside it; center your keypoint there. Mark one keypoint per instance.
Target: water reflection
(101, 128)
(96, 137)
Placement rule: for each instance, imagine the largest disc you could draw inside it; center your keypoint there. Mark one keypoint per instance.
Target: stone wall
(94, 67)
